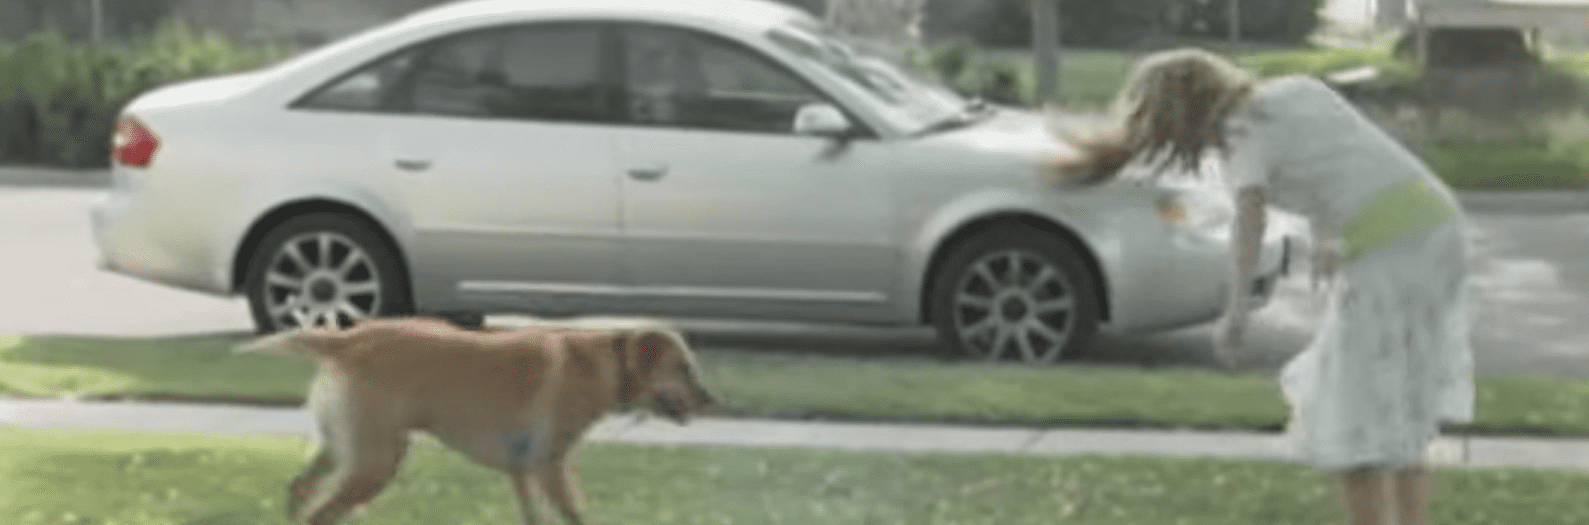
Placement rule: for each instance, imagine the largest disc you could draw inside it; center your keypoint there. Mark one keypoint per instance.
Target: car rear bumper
(135, 239)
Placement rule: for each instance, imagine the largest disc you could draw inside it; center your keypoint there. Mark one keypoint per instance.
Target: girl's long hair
(1173, 108)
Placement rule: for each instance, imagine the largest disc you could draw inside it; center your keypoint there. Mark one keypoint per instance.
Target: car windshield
(918, 103)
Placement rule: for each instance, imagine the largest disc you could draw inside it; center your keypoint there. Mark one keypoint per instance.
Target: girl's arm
(1246, 240)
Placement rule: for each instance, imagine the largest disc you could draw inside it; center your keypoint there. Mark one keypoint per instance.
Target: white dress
(1392, 359)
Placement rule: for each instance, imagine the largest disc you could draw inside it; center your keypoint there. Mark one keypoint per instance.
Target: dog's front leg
(521, 487)
(556, 481)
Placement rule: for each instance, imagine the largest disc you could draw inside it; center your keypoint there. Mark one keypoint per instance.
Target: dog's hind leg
(358, 477)
(558, 483)
(308, 481)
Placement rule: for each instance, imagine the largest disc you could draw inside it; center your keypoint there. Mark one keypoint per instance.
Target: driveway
(1531, 272)
(50, 283)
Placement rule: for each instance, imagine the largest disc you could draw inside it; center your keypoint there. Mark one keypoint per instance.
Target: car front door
(501, 150)
(726, 210)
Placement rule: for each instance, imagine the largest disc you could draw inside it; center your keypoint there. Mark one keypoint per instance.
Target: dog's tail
(316, 343)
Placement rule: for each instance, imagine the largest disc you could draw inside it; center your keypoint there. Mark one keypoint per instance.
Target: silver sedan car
(724, 159)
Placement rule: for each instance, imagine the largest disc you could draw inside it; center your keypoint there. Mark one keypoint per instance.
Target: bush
(971, 71)
(60, 99)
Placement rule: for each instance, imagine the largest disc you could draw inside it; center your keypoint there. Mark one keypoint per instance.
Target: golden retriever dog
(515, 400)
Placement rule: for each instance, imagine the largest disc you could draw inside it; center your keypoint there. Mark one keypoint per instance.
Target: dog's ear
(638, 353)
(649, 346)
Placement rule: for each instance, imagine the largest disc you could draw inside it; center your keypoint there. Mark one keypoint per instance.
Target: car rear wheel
(328, 269)
(1015, 292)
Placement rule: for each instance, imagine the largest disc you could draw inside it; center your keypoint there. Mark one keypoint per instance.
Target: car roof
(748, 15)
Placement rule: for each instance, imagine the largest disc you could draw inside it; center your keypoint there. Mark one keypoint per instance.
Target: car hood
(1009, 130)
(1010, 146)
(1014, 142)
(201, 91)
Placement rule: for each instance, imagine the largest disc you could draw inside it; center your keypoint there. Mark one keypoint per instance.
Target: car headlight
(1173, 212)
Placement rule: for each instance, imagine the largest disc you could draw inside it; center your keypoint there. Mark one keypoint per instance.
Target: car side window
(452, 77)
(538, 72)
(367, 89)
(549, 73)
(688, 79)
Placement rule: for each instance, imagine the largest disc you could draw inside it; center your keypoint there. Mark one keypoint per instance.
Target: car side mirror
(823, 120)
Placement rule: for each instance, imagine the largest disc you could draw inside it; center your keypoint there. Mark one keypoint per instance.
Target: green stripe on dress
(1399, 211)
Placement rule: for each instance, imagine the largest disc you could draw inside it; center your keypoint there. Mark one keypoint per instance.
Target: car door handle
(413, 164)
(652, 172)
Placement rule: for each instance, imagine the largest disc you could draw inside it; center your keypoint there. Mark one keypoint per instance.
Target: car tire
(333, 267)
(1014, 291)
(463, 319)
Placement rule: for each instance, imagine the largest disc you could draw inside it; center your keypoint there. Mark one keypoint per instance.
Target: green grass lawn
(1093, 77)
(166, 479)
(784, 385)
(1506, 166)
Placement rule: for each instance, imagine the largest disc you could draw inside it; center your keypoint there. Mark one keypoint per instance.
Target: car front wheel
(324, 269)
(1015, 292)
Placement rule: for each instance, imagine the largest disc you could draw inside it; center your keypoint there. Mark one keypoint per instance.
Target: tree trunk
(1235, 21)
(1045, 51)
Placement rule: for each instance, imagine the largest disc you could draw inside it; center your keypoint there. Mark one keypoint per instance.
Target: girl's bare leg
(1413, 488)
(1367, 497)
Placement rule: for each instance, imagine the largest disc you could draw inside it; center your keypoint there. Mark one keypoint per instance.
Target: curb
(1525, 202)
(46, 177)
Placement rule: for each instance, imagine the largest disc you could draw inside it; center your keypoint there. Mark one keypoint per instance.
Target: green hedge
(59, 99)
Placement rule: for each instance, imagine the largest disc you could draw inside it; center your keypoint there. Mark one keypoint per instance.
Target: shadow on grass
(189, 368)
(1186, 348)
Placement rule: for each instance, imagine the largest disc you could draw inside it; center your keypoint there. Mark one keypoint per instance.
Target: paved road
(1531, 271)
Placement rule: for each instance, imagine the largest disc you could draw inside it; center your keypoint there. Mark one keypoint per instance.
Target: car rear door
(504, 162)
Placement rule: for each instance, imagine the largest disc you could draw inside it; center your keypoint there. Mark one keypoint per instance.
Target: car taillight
(134, 145)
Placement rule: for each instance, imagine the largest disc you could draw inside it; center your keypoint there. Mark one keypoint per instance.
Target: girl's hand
(1325, 261)
(1229, 332)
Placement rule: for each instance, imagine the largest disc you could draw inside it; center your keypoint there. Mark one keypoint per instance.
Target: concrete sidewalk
(1505, 202)
(1450, 451)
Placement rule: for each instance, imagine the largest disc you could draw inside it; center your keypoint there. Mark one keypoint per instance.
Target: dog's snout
(705, 397)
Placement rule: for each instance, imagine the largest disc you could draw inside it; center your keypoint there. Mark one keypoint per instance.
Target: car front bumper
(1154, 288)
